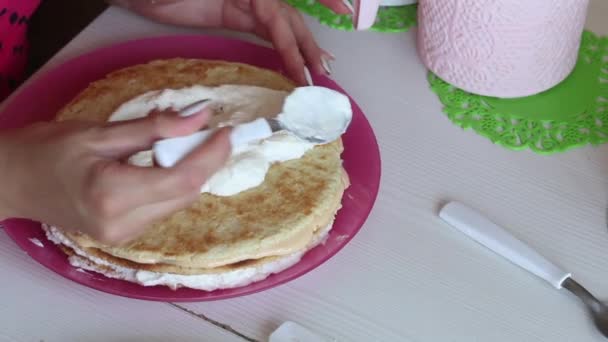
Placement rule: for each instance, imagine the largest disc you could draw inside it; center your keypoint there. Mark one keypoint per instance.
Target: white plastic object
(349, 5)
(291, 332)
(168, 152)
(502, 242)
(365, 11)
(243, 134)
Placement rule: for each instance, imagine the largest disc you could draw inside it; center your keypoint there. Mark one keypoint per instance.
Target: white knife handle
(168, 152)
(502, 242)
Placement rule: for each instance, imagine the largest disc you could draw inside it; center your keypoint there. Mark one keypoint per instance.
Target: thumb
(121, 139)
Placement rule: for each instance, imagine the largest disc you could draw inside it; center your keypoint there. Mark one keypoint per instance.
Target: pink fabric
(14, 19)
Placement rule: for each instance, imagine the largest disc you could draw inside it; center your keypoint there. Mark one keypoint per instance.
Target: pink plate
(43, 97)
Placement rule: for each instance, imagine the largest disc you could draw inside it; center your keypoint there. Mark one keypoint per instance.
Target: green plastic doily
(388, 19)
(573, 113)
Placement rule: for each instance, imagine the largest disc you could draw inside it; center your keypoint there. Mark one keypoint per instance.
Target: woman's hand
(73, 175)
(280, 23)
(272, 20)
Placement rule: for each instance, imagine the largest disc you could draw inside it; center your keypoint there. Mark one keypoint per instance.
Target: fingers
(118, 188)
(317, 59)
(237, 15)
(284, 26)
(120, 200)
(121, 139)
(204, 161)
(281, 33)
(134, 223)
(293, 40)
(339, 6)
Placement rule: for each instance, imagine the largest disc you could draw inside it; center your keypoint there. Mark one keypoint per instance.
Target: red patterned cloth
(14, 19)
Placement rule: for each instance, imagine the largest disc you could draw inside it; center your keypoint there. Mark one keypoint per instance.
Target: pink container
(501, 48)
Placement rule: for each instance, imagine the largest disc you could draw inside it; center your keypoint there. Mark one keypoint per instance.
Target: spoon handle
(498, 240)
(168, 152)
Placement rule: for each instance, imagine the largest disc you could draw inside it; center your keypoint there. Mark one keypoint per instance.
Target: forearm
(194, 13)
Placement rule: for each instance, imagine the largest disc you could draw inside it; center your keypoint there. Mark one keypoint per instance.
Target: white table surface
(406, 276)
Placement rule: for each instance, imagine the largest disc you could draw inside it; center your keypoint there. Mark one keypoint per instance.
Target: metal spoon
(167, 152)
(275, 125)
(498, 240)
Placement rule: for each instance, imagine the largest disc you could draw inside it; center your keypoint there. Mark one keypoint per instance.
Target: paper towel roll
(502, 48)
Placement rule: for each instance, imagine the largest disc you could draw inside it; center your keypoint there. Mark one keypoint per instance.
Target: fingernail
(326, 65)
(349, 5)
(195, 107)
(308, 76)
(330, 55)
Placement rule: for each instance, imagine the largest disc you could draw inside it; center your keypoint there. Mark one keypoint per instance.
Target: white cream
(316, 112)
(234, 104)
(207, 282)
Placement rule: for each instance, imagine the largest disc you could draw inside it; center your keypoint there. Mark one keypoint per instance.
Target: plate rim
(11, 225)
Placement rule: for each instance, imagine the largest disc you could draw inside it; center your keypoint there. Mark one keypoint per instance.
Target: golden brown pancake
(276, 218)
